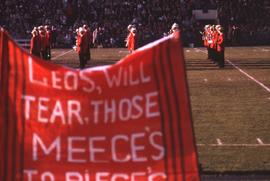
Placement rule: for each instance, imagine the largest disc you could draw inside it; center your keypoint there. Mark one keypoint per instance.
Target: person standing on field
(220, 49)
(43, 41)
(48, 36)
(82, 47)
(35, 43)
(132, 40)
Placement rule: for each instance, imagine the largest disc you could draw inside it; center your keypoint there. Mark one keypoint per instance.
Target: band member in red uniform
(88, 40)
(42, 35)
(48, 35)
(132, 40)
(128, 29)
(35, 44)
(220, 46)
(205, 37)
(212, 38)
(82, 47)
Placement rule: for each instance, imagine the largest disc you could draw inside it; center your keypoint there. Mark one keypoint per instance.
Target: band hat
(129, 27)
(218, 27)
(41, 28)
(175, 26)
(133, 29)
(34, 32)
(47, 27)
(85, 26)
(81, 30)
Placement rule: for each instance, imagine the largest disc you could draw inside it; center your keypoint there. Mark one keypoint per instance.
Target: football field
(230, 106)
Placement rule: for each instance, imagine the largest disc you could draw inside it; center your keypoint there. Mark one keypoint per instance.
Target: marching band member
(205, 37)
(82, 47)
(212, 43)
(48, 35)
(132, 40)
(35, 43)
(129, 31)
(89, 39)
(43, 41)
(220, 46)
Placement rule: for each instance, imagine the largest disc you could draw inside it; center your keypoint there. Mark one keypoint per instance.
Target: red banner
(128, 121)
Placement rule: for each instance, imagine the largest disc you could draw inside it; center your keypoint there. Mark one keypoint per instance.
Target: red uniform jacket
(82, 44)
(131, 41)
(89, 37)
(220, 42)
(35, 45)
(48, 36)
(43, 42)
(214, 40)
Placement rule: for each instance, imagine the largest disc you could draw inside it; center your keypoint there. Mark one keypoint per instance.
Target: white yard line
(62, 54)
(249, 76)
(235, 145)
(245, 73)
(221, 144)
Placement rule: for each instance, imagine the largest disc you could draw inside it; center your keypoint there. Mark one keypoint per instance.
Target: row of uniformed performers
(213, 39)
(84, 40)
(40, 43)
(132, 37)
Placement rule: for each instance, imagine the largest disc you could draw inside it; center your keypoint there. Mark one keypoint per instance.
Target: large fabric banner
(129, 121)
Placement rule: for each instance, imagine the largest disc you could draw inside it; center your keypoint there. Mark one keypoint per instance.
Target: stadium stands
(246, 22)
(25, 43)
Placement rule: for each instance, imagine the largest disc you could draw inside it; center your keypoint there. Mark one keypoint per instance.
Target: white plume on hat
(175, 26)
(130, 27)
(218, 26)
(206, 26)
(133, 30)
(81, 30)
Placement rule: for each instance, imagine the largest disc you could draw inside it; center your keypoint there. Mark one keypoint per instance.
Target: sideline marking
(61, 54)
(249, 76)
(260, 141)
(235, 145)
(246, 74)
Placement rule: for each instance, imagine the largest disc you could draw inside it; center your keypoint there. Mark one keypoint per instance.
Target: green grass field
(230, 106)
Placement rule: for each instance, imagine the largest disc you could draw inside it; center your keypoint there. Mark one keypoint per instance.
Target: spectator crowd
(244, 21)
